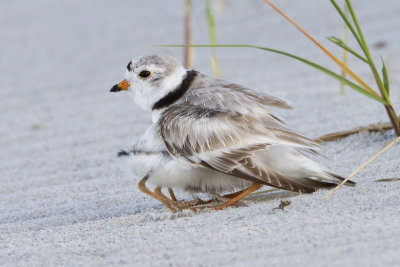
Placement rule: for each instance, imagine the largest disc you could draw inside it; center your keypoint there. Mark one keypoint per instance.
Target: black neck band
(173, 96)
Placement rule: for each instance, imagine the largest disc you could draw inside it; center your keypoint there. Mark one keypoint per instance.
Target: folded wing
(228, 142)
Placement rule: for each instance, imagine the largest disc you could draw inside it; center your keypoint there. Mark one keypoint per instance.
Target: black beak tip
(115, 88)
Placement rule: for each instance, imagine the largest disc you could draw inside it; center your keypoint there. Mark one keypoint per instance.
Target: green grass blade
(264, 191)
(211, 23)
(346, 20)
(385, 77)
(345, 39)
(340, 43)
(384, 93)
(364, 46)
(326, 51)
(213, 39)
(312, 64)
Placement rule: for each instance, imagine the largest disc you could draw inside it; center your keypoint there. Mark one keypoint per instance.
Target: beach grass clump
(356, 83)
(382, 82)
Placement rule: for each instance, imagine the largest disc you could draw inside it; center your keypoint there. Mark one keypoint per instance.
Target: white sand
(65, 199)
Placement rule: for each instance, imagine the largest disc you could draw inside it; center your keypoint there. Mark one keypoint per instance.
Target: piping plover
(213, 136)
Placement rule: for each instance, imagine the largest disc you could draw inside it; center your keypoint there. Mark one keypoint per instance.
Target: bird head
(150, 78)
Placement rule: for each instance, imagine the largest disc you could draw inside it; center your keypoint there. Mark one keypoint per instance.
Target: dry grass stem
(392, 143)
(387, 180)
(376, 127)
(188, 51)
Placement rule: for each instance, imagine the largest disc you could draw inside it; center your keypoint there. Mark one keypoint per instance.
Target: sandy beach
(67, 200)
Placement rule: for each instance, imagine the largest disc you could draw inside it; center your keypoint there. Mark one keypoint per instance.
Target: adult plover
(213, 136)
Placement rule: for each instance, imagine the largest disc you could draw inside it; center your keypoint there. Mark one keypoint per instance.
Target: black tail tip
(349, 182)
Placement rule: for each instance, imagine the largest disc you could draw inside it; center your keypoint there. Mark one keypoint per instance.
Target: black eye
(144, 73)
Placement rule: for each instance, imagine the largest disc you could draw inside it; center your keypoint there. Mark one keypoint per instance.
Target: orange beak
(122, 86)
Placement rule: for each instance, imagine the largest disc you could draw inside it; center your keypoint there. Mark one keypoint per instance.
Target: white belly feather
(176, 173)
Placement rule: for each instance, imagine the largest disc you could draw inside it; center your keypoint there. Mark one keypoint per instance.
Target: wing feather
(219, 94)
(228, 141)
(197, 129)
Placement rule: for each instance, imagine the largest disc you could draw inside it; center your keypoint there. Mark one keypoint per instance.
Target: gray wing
(226, 140)
(218, 94)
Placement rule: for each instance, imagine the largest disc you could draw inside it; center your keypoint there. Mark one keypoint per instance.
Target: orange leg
(180, 205)
(158, 191)
(232, 195)
(172, 204)
(238, 197)
(143, 188)
(172, 194)
(158, 194)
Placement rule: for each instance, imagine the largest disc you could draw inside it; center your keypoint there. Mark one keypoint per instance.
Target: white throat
(147, 97)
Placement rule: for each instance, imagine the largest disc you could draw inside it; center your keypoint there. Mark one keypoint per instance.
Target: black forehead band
(129, 66)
